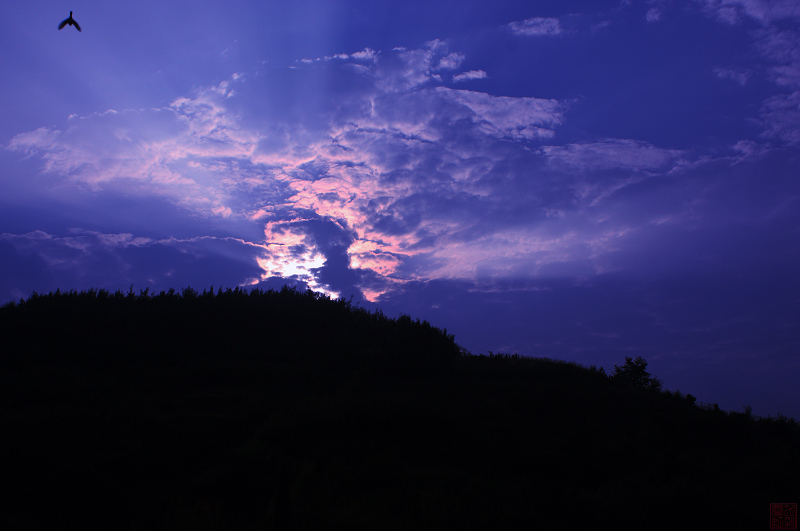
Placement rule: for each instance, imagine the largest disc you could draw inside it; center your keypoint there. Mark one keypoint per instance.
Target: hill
(287, 410)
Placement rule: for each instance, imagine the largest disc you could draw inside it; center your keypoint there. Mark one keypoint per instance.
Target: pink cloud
(411, 180)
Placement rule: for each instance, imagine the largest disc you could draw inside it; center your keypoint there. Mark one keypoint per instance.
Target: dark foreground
(282, 410)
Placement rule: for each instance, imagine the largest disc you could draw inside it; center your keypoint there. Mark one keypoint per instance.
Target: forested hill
(288, 410)
(230, 324)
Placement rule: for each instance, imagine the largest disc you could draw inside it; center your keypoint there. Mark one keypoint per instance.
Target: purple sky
(581, 180)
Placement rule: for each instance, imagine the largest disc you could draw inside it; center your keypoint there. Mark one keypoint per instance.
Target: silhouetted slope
(233, 323)
(288, 410)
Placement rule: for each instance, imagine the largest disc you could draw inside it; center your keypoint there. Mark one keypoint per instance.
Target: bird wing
(63, 23)
(76, 25)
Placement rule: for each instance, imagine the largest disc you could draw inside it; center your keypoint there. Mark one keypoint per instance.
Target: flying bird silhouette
(71, 22)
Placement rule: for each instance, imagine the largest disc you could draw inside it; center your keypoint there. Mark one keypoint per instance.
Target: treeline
(632, 379)
(104, 328)
(234, 323)
(280, 409)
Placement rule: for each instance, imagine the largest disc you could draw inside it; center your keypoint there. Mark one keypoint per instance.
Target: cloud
(781, 116)
(734, 74)
(367, 55)
(727, 12)
(80, 259)
(653, 14)
(612, 153)
(764, 11)
(507, 117)
(382, 178)
(536, 26)
(780, 113)
(782, 49)
(472, 74)
(389, 164)
(404, 69)
(175, 151)
(779, 44)
(300, 249)
(451, 61)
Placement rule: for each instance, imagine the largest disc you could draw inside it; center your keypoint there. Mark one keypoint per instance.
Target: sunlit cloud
(291, 254)
(398, 179)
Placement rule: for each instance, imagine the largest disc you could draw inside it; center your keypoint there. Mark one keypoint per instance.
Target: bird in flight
(70, 21)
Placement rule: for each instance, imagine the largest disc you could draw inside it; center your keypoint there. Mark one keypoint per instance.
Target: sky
(582, 180)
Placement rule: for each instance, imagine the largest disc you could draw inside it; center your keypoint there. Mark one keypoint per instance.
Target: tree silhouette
(634, 374)
(251, 409)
